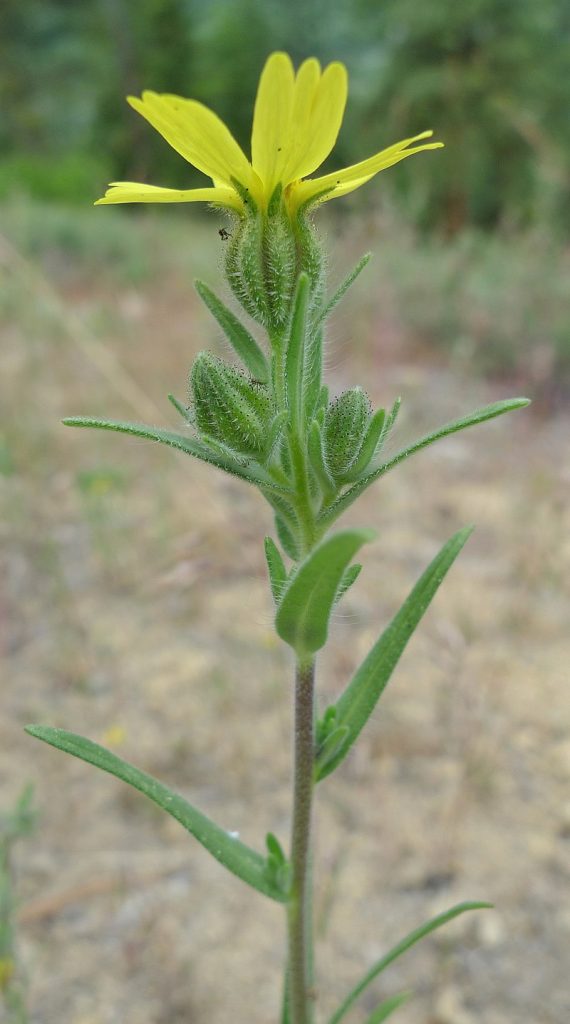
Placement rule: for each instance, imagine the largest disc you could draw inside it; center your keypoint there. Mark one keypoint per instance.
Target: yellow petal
(350, 178)
(198, 135)
(306, 84)
(316, 134)
(272, 119)
(132, 192)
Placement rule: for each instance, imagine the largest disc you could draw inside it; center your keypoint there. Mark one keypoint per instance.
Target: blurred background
(134, 606)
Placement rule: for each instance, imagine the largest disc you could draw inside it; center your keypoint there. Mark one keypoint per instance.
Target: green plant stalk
(304, 509)
(299, 906)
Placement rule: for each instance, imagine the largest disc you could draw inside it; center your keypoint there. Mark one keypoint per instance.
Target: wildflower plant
(270, 422)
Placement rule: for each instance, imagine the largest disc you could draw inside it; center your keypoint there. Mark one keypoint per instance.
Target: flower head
(296, 121)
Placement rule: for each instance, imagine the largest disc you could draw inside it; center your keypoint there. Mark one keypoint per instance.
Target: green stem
(299, 909)
(278, 368)
(304, 505)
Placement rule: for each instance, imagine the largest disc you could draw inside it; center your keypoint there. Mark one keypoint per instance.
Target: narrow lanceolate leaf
(479, 416)
(392, 416)
(184, 410)
(330, 747)
(276, 569)
(238, 858)
(345, 285)
(489, 412)
(295, 357)
(189, 445)
(239, 337)
(313, 371)
(350, 576)
(316, 455)
(304, 611)
(276, 432)
(287, 537)
(356, 704)
(387, 1008)
(405, 944)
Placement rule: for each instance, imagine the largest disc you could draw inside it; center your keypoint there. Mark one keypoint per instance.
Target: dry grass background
(135, 610)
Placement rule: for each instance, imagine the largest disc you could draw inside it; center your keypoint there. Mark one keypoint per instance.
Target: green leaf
(356, 704)
(274, 847)
(343, 288)
(330, 747)
(286, 538)
(489, 412)
(276, 569)
(479, 416)
(185, 411)
(238, 858)
(392, 417)
(316, 455)
(350, 576)
(313, 371)
(387, 1008)
(275, 432)
(239, 337)
(409, 940)
(244, 470)
(295, 357)
(303, 614)
(325, 724)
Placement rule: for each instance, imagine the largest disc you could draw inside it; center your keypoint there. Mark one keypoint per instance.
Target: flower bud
(261, 263)
(311, 257)
(230, 407)
(244, 267)
(280, 261)
(346, 420)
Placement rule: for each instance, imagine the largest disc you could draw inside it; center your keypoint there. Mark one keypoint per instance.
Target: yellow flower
(296, 121)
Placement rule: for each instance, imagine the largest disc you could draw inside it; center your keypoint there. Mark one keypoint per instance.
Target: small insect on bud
(231, 407)
(346, 420)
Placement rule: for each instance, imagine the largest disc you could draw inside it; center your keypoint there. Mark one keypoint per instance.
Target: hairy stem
(304, 509)
(299, 909)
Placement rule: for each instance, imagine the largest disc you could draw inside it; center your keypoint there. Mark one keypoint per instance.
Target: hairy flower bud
(346, 420)
(263, 260)
(230, 407)
(311, 257)
(244, 267)
(280, 262)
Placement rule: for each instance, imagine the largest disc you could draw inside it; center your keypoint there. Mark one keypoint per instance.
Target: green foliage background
(491, 76)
